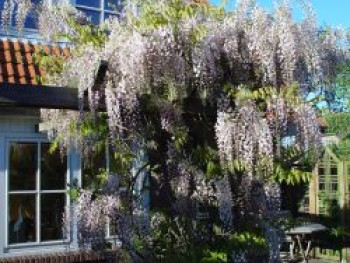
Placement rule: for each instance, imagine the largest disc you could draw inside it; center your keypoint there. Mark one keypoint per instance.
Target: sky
(329, 12)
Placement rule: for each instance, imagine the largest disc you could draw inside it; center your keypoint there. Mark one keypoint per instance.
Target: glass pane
(21, 218)
(334, 187)
(111, 5)
(94, 16)
(321, 171)
(321, 186)
(31, 21)
(334, 171)
(89, 3)
(53, 169)
(52, 208)
(23, 166)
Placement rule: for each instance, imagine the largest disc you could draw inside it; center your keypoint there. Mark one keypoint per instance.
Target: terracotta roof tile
(36, 48)
(5, 45)
(56, 51)
(23, 80)
(16, 46)
(11, 80)
(17, 64)
(9, 70)
(27, 48)
(46, 49)
(65, 52)
(31, 71)
(8, 57)
(18, 57)
(28, 58)
(21, 71)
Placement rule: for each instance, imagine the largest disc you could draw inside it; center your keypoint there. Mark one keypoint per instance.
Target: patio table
(302, 234)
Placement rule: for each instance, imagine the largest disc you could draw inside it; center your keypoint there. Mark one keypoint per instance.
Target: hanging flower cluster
(53, 19)
(244, 135)
(248, 47)
(290, 119)
(60, 124)
(91, 217)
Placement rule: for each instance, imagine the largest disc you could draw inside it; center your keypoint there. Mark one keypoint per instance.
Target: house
(33, 183)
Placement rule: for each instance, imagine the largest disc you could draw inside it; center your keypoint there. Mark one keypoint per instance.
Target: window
(30, 22)
(98, 10)
(322, 183)
(321, 171)
(321, 186)
(333, 183)
(334, 170)
(36, 193)
(334, 187)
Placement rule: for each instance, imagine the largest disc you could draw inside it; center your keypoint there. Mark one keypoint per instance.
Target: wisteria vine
(225, 60)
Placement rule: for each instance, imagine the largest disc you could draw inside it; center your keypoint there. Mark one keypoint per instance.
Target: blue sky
(329, 12)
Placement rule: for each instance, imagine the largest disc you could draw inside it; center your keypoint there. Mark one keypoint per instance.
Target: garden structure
(176, 124)
(328, 193)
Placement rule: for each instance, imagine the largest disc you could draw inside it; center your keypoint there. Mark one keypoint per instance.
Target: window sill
(17, 248)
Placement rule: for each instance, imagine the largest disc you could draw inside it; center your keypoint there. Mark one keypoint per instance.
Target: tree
(215, 99)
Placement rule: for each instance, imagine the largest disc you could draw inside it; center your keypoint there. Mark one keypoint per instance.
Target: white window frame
(101, 10)
(38, 140)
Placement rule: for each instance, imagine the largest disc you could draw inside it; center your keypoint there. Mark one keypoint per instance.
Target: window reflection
(51, 212)
(23, 166)
(22, 218)
(334, 170)
(31, 21)
(321, 171)
(53, 169)
(27, 200)
(334, 187)
(321, 186)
